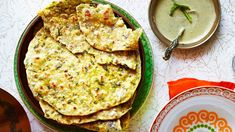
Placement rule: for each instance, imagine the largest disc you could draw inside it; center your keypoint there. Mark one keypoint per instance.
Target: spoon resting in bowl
(173, 45)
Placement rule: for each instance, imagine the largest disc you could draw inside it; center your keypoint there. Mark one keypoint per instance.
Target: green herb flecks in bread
(61, 19)
(104, 31)
(76, 85)
(109, 114)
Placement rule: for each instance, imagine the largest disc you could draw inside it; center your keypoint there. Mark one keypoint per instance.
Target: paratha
(61, 20)
(109, 114)
(76, 85)
(104, 126)
(120, 125)
(63, 23)
(124, 58)
(104, 31)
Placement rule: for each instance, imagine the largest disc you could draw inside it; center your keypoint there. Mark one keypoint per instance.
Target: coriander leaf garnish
(182, 8)
(173, 9)
(186, 14)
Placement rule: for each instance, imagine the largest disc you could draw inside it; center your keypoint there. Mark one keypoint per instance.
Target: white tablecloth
(212, 61)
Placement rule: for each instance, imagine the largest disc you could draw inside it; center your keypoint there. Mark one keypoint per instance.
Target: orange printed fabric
(176, 87)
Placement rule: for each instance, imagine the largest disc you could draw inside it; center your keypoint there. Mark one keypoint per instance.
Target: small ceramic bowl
(162, 38)
(203, 109)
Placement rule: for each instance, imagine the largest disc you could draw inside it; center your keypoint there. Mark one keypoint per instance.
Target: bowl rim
(147, 77)
(21, 113)
(207, 87)
(166, 41)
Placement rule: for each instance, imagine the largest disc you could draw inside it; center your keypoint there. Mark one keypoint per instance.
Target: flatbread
(109, 114)
(76, 85)
(124, 58)
(104, 31)
(104, 126)
(119, 125)
(61, 20)
(64, 27)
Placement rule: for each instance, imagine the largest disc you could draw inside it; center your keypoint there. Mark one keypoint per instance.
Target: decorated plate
(32, 104)
(12, 115)
(204, 109)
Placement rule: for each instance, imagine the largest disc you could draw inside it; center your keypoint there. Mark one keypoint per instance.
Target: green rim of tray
(143, 90)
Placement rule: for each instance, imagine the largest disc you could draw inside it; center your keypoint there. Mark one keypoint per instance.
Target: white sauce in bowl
(203, 17)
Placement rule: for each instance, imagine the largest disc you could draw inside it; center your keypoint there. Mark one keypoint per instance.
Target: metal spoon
(173, 45)
(233, 64)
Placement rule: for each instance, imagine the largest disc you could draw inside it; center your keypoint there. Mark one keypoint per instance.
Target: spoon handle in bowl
(173, 45)
(169, 49)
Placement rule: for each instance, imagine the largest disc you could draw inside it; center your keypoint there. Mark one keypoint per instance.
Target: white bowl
(202, 109)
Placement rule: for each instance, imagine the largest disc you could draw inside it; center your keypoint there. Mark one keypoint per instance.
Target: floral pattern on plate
(202, 121)
(209, 98)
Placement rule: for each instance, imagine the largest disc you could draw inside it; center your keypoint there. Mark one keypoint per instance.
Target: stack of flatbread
(83, 66)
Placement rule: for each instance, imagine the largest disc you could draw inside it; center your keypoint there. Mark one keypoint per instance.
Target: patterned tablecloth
(212, 61)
